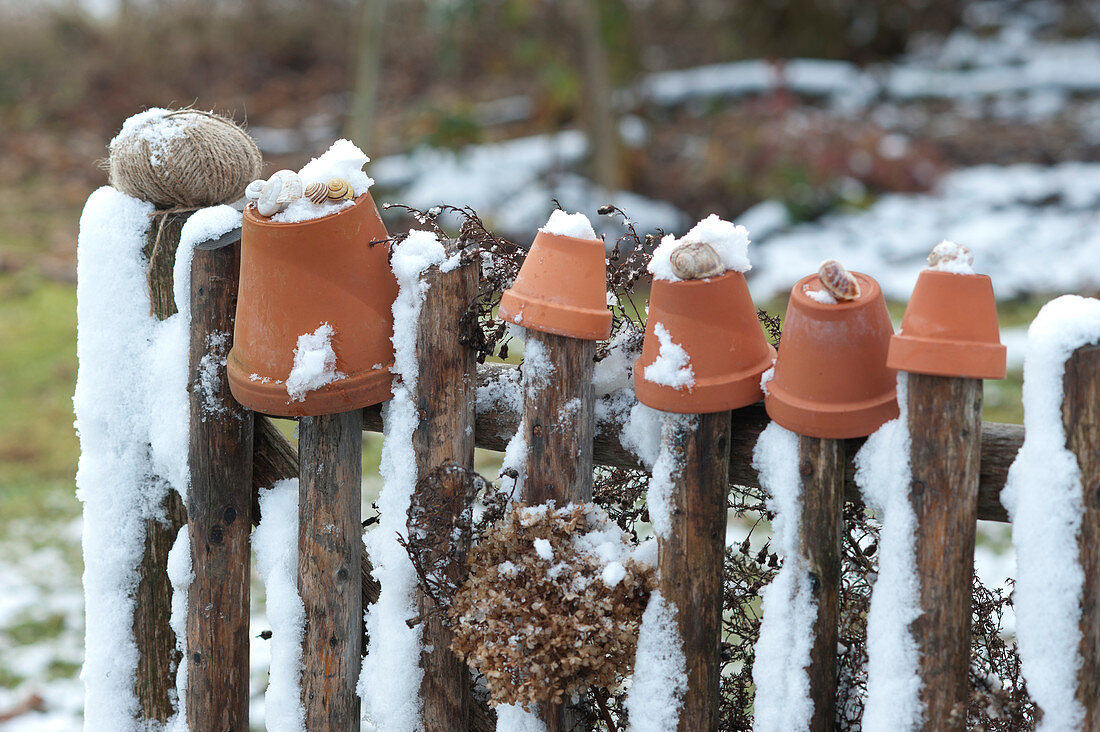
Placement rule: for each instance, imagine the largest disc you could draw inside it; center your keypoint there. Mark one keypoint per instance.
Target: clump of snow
(1043, 495)
(660, 671)
(613, 372)
(641, 434)
(666, 469)
(789, 609)
(156, 128)
(730, 241)
(893, 679)
(947, 256)
(544, 550)
(819, 295)
(181, 575)
(314, 363)
(672, 366)
(275, 541)
(342, 160)
(390, 680)
(575, 225)
(132, 417)
(514, 718)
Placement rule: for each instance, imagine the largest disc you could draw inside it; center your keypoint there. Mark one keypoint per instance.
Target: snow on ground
(1018, 220)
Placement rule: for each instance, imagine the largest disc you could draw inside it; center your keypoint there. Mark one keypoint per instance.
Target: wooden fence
(959, 466)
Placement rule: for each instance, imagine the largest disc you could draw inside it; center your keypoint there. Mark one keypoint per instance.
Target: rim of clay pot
(720, 391)
(852, 399)
(558, 289)
(950, 328)
(362, 386)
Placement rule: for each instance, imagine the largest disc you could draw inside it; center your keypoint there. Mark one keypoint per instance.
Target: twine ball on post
(182, 158)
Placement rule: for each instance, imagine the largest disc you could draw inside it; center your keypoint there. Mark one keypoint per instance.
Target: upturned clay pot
(295, 277)
(715, 322)
(831, 378)
(950, 328)
(561, 289)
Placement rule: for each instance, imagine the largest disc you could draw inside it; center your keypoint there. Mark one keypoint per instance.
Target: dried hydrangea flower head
(696, 260)
(837, 281)
(552, 604)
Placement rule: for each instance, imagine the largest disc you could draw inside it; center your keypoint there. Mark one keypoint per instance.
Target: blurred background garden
(863, 130)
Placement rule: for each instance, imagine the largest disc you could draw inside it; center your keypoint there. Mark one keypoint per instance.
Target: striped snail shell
(252, 192)
(340, 190)
(839, 282)
(317, 192)
(696, 260)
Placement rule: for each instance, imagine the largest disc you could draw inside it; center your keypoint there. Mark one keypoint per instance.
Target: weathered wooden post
(821, 531)
(703, 355)
(1081, 417)
(219, 505)
(330, 456)
(446, 392)
(157, 654)
(830, 384)
(948, 342)
(560, 299)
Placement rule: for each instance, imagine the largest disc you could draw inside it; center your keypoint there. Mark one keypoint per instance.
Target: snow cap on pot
(562, 286)
(704, 349)
(950, 326)
(314, 309)
(830, 378)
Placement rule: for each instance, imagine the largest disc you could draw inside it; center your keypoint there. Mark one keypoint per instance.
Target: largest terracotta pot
(296, 277)
(831, 379)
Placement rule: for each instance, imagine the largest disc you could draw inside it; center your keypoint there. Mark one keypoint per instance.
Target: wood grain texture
(945, 419)
(445, 397)
(558, 424)
(691, 558)
(155, 680)
(1081, 417)
(330, 453)
(1000, 443)
(821, 528)
(219, 506)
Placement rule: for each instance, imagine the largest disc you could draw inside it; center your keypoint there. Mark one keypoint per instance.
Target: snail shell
(948, 252)
(317, 192)
(340, 190)
(838, 281)
(252, 192)
(696, 260)
(283, 188)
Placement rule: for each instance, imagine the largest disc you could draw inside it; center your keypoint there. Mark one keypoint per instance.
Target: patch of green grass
(38, 447)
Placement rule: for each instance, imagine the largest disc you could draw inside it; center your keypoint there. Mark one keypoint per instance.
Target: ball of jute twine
(209, 162)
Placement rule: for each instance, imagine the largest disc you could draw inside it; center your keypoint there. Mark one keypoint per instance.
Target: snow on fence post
(219, 504)
(158, 657)
(1081, 417)
(821, 529)
(445, 398)
(945, 421)
(691, 557)
(330, 455)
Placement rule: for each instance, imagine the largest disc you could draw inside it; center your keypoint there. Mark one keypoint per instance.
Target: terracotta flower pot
(296, 277)
(715, 321)
(950, 328)
(561, 289)
(831, 378)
